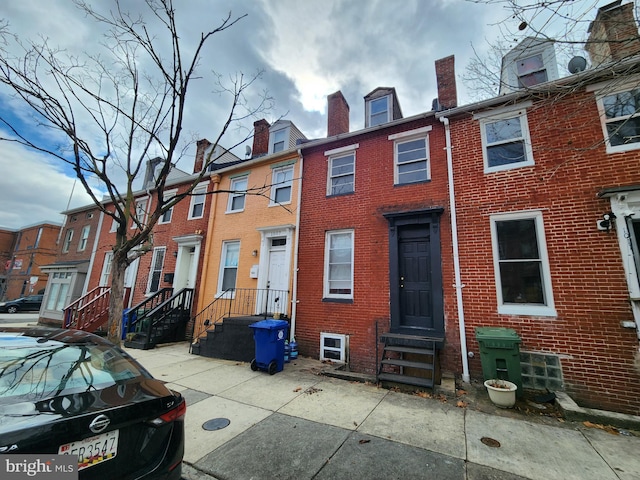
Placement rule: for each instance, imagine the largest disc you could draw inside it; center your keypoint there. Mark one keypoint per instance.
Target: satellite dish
(577, 64)
(247, 152)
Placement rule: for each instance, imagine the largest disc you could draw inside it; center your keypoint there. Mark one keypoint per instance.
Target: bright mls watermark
(49, 467)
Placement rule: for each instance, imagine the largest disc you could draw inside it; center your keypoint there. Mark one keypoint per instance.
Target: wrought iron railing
(240, 302)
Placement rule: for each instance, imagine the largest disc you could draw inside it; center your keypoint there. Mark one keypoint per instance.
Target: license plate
(94, 450)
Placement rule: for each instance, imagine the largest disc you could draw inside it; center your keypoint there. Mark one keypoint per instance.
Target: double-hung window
(505, 139)
(166, 216)
(67, 240)
(379, 110)
(523, 279)
(278, 139)
(198, 198)
(282, 183)
(84, 237)
(106, 269)
(140, 213)
(531, 71)
(620, 114)
(238, 194)
(229, 265)
(155, 272)
(338, 265)
(411, 156)
(342, 170)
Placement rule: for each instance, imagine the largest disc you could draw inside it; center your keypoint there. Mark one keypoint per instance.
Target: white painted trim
(337, 151)
(502, 112)
(410, 133)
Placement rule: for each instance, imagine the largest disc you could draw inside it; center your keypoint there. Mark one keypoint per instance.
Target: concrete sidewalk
(300, 424)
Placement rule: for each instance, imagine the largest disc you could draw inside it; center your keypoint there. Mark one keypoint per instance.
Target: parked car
(23, 304)
(73, 392)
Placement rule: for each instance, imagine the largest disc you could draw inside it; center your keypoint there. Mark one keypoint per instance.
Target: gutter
(456, 254)
(294, 288)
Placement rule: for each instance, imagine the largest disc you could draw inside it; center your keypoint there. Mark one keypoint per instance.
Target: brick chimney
(337, 114)
(446, 81)
(201, 147)
(613, 35)
(260, 138)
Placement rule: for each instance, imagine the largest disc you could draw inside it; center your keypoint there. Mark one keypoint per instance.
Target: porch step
(408, 363)
(406, 380)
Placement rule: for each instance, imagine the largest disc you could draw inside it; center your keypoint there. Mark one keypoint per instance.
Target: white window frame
(387, 99)
(523, 73)
(223, 266)
(67, 240)
(152, 268)
(84, 238)
(235, 187)
(604, 92)
(335, 154)
(341, 350)
(544, 310)
(106, 269)
(277, 185)
(166, 197)
(327, 265)
(140, 212)
(410, 136)
(198, 197)
(506, 113)
(274, 135)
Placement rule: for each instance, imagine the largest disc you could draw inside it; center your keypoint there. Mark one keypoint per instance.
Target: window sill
(233, 211)
(195, 218)
(337, 300)
(428, 180)
(340, 194)
(623, 148)
(510, 166)
(527, 310)
(279, 204)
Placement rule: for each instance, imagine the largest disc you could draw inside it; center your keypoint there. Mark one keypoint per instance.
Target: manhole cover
(490, 442)
(216, 424)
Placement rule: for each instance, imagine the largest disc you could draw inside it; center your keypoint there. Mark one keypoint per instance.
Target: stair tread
(405, 379)
(418, 350)
(404, 336)
(407, 363)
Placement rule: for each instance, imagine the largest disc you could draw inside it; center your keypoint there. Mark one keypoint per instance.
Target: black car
(72, 392)
(24, 304)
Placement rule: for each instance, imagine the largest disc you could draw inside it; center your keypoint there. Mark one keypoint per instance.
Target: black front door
(416, 274)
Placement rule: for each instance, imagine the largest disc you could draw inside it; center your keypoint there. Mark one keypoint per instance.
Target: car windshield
(31, 372)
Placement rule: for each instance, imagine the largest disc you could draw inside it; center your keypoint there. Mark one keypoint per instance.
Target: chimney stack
(201, 147)
(613, 35)
(446, 81)
(260, 138)
(337, 114)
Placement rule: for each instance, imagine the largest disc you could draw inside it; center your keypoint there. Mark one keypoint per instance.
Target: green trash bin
(500, 354)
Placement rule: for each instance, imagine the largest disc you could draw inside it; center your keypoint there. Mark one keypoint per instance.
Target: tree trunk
(118, 267)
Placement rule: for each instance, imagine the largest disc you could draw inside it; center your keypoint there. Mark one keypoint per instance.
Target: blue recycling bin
(269, 337)
(125, 322)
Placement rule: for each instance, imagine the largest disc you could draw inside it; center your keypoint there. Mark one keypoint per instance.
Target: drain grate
(490, 442)
(216, 424)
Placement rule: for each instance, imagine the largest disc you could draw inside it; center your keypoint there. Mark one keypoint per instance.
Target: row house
(521, 211)
(248, 270)
(26, 251)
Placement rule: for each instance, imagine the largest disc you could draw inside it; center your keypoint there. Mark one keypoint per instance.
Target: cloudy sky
(306, 50)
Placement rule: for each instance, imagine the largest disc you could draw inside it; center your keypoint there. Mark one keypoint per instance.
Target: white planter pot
(504, 394)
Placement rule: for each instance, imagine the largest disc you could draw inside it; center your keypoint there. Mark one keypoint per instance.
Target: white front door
(186, 267)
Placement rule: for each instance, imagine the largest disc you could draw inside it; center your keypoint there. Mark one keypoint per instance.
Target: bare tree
(114, 111)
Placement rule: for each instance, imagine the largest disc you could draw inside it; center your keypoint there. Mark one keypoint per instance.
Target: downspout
(294, 292)
(456, 254)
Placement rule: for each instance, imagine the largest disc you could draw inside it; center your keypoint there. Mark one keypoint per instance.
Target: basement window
(333, 347)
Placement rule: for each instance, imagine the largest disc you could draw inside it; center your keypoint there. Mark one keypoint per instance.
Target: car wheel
(12, 309)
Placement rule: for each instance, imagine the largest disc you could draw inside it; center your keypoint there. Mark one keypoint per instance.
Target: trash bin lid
(496, 333)
(270, 324)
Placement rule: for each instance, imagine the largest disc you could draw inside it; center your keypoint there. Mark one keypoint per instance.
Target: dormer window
(531, 71)
(278, 141)
(379, 111)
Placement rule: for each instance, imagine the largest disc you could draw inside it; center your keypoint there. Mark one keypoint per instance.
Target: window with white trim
(333, 347)
(67, 240)
(282, 184)
(620, 115)
(338, 264)
(84, 238)
(166, 216)
(531, 71)
(505, 140)
(342, 170)
(140, 213)
(523, 279)
(238, 194)
(198, 198)
(379, 111)
(155, 271)
(106, 269)
(229, 265)
(411, 156)
(278, 140)
(58, 287)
